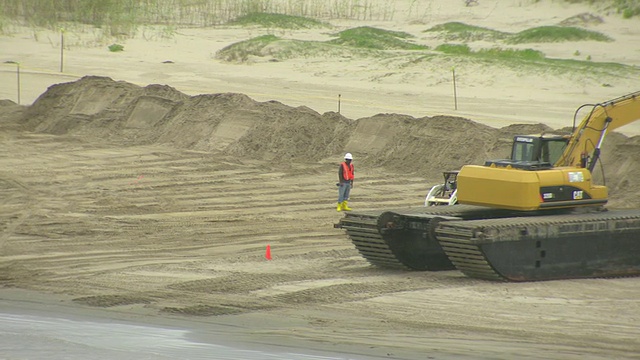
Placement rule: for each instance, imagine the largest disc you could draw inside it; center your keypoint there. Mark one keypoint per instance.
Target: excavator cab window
(525, 148)
(553, 148)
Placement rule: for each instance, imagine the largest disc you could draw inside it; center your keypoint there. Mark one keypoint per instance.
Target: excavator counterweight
(528, 190)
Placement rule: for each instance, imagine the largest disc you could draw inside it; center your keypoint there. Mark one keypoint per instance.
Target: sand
(153, 188)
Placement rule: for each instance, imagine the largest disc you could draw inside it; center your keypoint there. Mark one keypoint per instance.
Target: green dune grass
(375, 38)
(546, 34)
(280, 21)
(456, 31)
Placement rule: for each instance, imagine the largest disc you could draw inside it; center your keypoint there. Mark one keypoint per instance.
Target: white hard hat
(348, 156)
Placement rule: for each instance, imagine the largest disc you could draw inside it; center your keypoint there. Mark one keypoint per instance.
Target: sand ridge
(100, 108)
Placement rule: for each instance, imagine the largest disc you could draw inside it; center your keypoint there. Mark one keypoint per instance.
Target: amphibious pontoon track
(600, 244)
(405, 238)
(498, 244)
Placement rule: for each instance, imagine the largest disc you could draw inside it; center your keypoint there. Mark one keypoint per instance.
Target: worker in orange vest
(345, 178)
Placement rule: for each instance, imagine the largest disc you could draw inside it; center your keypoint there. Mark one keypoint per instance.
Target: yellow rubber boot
(345, 207)
(339, 207)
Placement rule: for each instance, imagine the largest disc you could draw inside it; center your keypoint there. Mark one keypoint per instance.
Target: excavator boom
(587, 138)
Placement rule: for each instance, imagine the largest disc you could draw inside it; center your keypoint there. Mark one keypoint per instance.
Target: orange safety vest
(347, 171)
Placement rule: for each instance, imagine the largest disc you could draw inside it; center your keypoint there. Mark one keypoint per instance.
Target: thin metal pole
(455, 92)
(18, 79)
(339, 95)
(61, 50)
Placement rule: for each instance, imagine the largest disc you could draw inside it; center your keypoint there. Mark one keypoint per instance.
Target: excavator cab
(534, 152)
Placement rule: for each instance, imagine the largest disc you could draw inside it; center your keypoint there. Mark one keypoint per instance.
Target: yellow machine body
(525, 190)
(529, 184)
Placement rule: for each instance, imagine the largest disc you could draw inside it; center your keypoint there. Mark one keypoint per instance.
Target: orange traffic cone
(267, 254)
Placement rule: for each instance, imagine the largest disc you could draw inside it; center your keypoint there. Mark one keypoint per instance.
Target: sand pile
(99, 109)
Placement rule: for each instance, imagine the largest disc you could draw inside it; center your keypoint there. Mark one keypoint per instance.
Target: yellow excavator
(522, 183)
(535, 216)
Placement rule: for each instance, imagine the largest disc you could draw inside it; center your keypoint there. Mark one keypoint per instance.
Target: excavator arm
(583, 149)
(568, 183)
